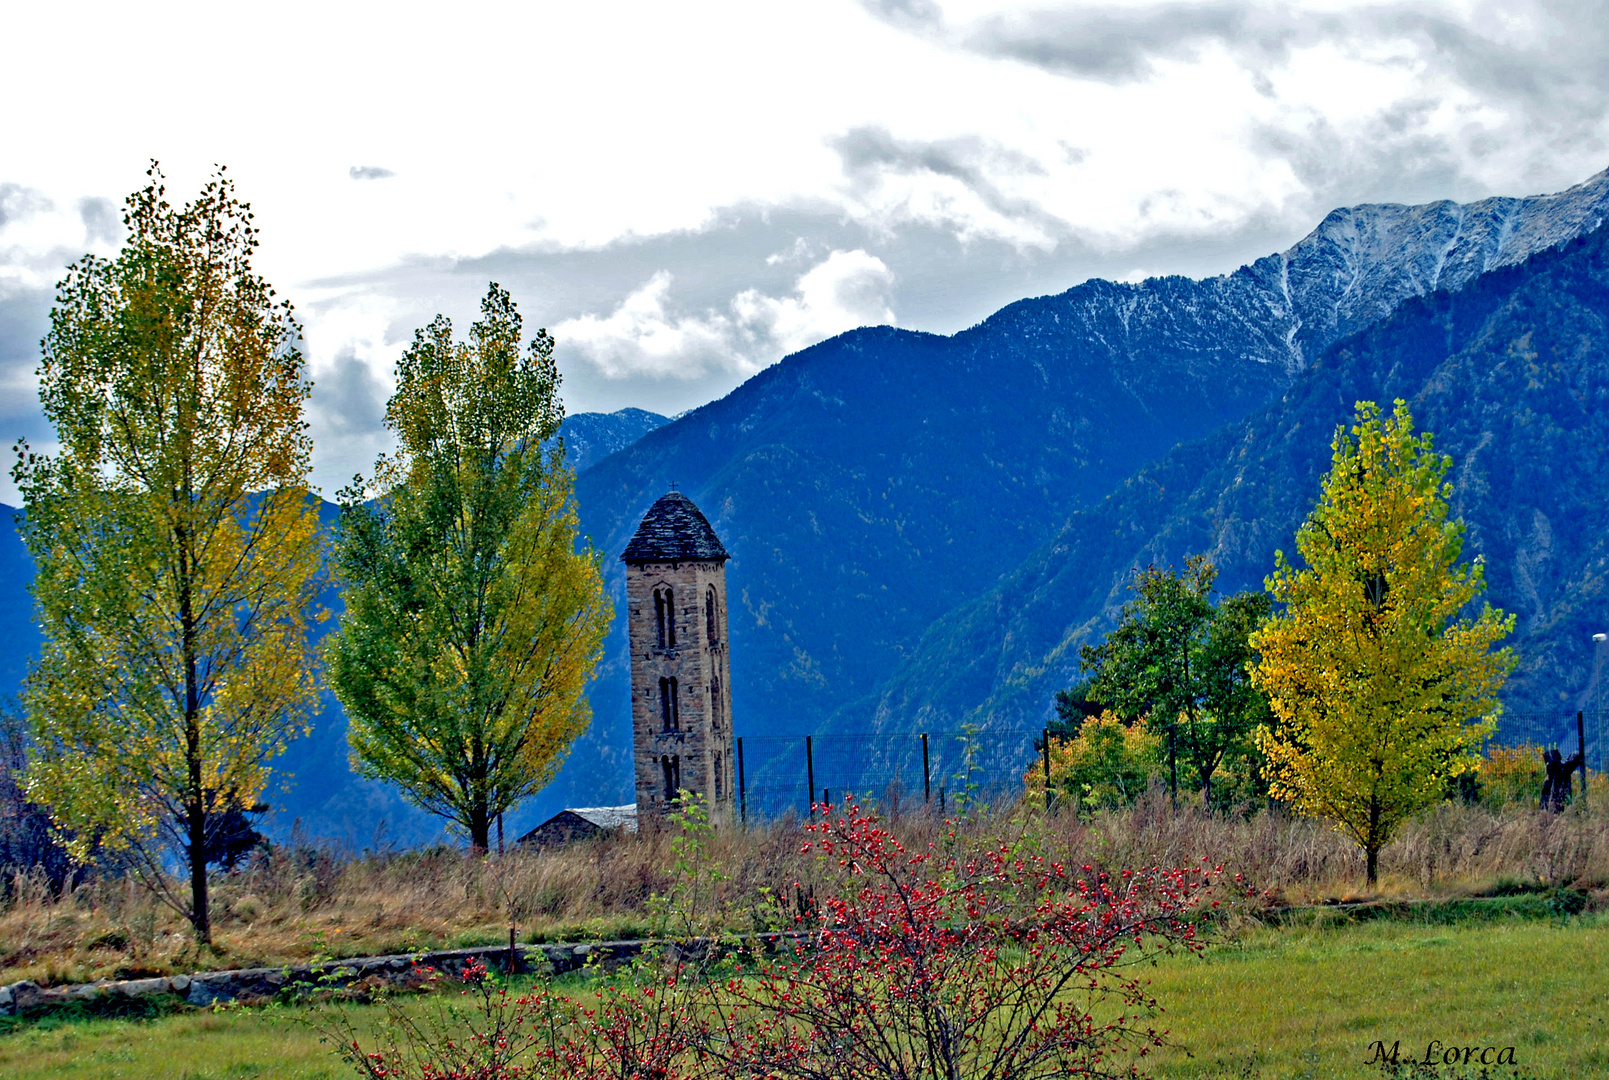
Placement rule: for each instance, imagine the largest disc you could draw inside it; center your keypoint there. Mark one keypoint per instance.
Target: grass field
(1309, 1002)
(1291, 1002)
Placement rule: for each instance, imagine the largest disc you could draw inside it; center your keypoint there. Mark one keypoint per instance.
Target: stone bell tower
(681, 693)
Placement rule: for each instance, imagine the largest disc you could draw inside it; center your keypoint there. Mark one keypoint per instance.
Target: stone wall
(398, 971)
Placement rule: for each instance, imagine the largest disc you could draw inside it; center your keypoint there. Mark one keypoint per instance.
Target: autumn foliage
(175, 541)
(1107, 764)
(472, 623)
(1382, 674)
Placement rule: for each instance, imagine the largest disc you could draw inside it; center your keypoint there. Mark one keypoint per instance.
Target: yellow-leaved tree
(174, 539)
(1382, 685)
(472, 623)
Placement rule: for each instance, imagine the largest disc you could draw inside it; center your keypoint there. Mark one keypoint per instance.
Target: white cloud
(796, 252)
(39, 236)
(843, 291)
(350, 358)
(970, 148)
(643, 337)
(733, 103)
(646, 336)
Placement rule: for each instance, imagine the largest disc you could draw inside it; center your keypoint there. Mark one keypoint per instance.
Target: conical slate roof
(674, 530)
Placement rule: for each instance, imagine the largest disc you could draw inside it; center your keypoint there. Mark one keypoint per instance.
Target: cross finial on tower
(673, 486)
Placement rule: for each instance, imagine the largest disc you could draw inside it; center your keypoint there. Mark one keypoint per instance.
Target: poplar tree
(472, 624)
(1377, 673)
(174, 539)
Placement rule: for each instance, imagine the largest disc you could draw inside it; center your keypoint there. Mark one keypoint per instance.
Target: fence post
(1046, 735)
(742, 788)
(810, 779)
(1581, 745)
(927, 779)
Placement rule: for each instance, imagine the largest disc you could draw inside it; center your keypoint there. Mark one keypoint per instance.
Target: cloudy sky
(685, 193)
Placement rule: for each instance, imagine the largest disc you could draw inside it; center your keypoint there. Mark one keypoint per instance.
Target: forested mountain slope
(1510, 373)
(870, 484)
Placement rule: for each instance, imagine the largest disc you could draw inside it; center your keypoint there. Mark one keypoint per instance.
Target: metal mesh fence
(781, 774)
(1559, 729)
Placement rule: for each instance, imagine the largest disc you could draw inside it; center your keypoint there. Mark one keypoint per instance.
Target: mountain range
(923, 528)
(877, 489)
(1510, 373)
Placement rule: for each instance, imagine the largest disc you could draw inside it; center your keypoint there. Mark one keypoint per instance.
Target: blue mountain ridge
(1510, 373)
(874, 482)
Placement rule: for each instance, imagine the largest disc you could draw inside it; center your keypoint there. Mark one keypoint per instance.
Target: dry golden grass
(299, 903)
(1454, 849)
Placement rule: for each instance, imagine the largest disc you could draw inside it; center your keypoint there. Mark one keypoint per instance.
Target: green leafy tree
(1377, 675)
(472, 624)
(174, 538)
(1178, 661)
(1233, 704)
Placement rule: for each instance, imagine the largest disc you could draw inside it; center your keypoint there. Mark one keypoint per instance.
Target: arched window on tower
(709, 616)
(674, 708)
(668, 718)
(670, 618)
(715, 704)
(670, 781)
(659, 616)
(717, 776)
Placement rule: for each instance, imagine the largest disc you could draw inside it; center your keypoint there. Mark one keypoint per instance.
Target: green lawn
(195, 1046)
(1295, 1002)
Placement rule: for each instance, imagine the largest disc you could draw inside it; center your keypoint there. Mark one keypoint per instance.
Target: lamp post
(1597, 699)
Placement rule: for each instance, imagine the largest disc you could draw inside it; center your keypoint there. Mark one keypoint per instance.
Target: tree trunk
(195, 796)
(1371, 849)
(1173, 764)
(480, 829)
(196, 811)
(200, 917)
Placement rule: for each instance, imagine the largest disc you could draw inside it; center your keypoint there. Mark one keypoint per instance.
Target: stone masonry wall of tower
(681, 685)
(682, 722)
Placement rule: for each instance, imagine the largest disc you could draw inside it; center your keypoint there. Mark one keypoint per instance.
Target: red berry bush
(988, 962)
(998, 964)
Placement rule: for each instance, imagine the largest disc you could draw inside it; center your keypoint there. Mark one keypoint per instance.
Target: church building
(681, 696)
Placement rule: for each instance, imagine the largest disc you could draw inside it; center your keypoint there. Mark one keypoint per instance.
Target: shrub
(995, 964)
(1108, 764)
(1511, 774)
(987, 961)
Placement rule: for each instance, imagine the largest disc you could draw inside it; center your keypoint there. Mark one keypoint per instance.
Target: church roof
(674, 530)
